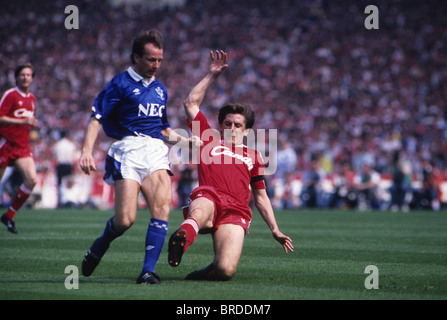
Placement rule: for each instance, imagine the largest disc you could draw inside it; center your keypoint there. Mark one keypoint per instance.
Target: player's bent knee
(224, 275)
(225, 272)
(197, 214)
(202, 216)
(122, 224)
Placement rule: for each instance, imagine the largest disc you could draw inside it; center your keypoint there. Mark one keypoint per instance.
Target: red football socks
(192, 228)
(21, 196)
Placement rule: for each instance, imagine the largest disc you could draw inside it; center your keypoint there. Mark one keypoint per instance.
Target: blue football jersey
(126, 107)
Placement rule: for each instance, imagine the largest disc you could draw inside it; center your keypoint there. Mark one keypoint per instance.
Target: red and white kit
(225, 175)
(14, 139)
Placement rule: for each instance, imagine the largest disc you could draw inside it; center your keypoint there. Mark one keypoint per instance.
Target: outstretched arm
(264, 206)
(173, 138)
(195, 97)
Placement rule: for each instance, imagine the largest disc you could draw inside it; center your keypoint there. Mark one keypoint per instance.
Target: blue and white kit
(132, 109)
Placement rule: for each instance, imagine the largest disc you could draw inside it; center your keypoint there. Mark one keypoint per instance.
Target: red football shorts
(10, 152)
(226, 211)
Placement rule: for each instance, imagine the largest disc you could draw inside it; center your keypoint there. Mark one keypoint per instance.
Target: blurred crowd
(344, 99)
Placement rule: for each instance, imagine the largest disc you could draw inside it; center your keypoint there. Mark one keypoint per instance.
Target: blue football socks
(155, 238)
(102, 243)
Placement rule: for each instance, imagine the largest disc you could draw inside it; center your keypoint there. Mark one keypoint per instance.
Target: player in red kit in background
(227, 169)
(16, 117)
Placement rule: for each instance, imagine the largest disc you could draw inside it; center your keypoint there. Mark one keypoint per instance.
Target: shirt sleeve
(105, 102)
(6, 104)
(258, 182)
(257, 173)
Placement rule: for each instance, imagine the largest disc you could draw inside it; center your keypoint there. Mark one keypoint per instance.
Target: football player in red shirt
(16, 117)
(227, 169)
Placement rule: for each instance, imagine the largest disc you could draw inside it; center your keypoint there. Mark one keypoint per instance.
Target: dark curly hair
(238, 108)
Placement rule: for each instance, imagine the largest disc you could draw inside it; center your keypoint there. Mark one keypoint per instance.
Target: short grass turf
(332, 250)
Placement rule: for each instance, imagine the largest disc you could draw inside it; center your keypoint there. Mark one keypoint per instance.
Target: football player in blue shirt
(132, 109)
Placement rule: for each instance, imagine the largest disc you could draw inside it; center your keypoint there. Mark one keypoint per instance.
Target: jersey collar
(145, 81)
(23, 94)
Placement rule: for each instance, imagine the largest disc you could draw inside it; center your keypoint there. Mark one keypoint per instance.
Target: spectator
(401, 189)
(366, 184)
(342, 197)
(284, 178)
(312, 193)
(185, 185)
(64, 153)
(427, 196)
(287, 192)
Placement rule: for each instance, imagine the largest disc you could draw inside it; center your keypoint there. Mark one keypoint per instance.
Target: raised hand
(218, 62)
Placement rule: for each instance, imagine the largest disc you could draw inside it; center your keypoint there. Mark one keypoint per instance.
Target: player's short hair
(238, 108)
(23, 66)
(144, 37)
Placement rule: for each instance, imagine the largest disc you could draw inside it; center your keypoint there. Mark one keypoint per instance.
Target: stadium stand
(334, 90)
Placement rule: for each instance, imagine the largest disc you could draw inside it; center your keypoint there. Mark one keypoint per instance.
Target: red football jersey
(230, 170)
(16, 104)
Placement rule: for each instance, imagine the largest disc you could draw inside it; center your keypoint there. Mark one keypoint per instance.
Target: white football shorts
(135, 158)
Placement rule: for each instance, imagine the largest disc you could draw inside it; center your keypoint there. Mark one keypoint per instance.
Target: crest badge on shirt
(160, 93)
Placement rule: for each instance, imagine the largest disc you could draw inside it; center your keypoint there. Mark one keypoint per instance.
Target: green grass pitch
(332, 250)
